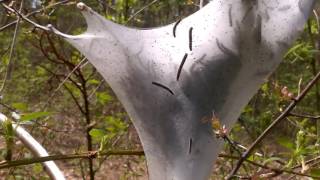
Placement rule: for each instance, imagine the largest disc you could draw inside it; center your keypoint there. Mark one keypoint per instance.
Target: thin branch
(96, 154)
(68, 131)
(14, 39)
(232, 144)
(317, 19)
(282, 116)
(300, 127)
(143, 8)
(245, 148)
(8, 107)
(68, 90)
(26, 18)
(275, 170)
(34, 12)
(304, 116)
(44, 51)
(74, 99)
(84, 155)
(235, 147)
(88, 121)
(307, 162)
(64, 80)
(96, 89)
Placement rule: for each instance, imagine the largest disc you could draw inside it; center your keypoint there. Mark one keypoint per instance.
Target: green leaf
(293, 49)
(5, 60)
(37, 168)
(97, 133)
(93, 82)
(286, 142)
(251, 158)
(34, 115)
(20, 106)
(115, 125)
(104, 143)
(8, 135)
(103, 97)
(265, 87)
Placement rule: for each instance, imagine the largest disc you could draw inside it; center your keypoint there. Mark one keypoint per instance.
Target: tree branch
(304, 116)
(282, 116)
(10, 64)
(33, 13)
(96, 154)
(143, 8)
(25, 18)
(275, 170)
(84, 155)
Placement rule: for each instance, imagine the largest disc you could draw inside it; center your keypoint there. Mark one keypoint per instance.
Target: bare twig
(68, 90)
(87, 116)
(300, 127)
(26, 18)
(245, 148)
(143, 8)
(10, 64)
(304, 116)
(307, 162)
(275, 170)
(282, 116)
(317, 20)
(33, 13)
(84, 155)
(232, 144)
(96, 154)
(64, 80)
(96, 89)
(8, 107)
